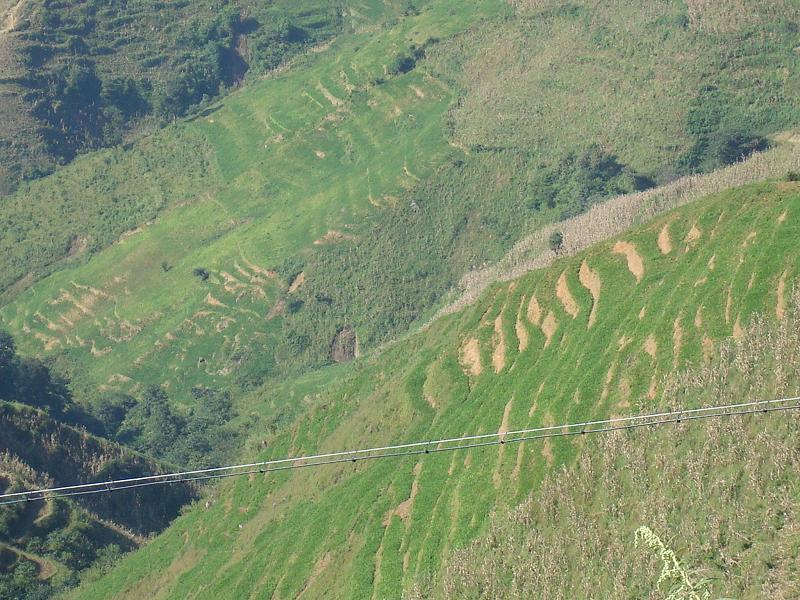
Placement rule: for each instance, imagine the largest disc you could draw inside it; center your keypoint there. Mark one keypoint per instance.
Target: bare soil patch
(780, 306)
(471, 357)
(337, 102)
(403, 509)
(534, 311)
(634, 259)
(650, 345)
(521, 330)
(591, 281)
(211, 301)
(738, 332)
(677, 340)
(750, 237)
(694, 234)
(499, 354)
(299, 280)
(563, 294)
(549, 327)
(334, 237)
(664, 241)
(496, 476)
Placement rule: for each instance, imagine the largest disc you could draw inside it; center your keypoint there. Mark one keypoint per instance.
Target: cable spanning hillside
(467, 442)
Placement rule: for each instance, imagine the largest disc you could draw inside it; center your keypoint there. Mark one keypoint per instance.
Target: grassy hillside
(596, 334)
(178, 261)
(296, 157)
(722, 496)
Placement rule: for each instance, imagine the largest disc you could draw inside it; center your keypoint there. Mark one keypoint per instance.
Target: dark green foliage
(93, 70)
(200, 273)
(29, 381)
(61, 532)
(556, 241)
(405, 263)
(405, 61)
(582, 179)
(153, 427)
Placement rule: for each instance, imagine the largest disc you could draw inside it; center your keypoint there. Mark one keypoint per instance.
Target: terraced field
(297, 161)
(593, 335)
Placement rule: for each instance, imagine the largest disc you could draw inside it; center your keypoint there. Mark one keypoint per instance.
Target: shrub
(556, 242)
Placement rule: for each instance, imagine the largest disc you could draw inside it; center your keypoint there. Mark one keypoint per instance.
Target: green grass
(288, 159)
(174, 54)
(337, 144)
(271, 534)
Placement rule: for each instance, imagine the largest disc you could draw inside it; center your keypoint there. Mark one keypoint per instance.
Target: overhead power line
(411, 449)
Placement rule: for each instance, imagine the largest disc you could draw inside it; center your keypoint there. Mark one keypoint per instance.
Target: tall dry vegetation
(608, 219)
(711, 16)
(722, 16)
(723, 494)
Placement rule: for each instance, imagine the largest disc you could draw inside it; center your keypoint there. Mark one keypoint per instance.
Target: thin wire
(411, 449)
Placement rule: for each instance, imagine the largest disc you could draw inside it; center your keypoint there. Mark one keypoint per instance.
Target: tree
(556, 242)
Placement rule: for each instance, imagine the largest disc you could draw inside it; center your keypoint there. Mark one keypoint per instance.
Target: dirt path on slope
(46, 568)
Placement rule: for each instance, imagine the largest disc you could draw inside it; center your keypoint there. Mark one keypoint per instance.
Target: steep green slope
(593, 335)
(363, 168)
(721, 495)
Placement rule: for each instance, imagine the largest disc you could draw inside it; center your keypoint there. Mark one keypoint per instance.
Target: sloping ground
(189, 297)
(58, 454)
(45, 544)
(345, 141)
(365, 531)
(142, 59)
(721, 495)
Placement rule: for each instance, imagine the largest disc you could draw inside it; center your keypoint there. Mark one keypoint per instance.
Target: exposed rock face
(344, 347)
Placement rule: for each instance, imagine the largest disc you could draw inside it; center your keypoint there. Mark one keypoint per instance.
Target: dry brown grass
(723, 494)
(611, 218)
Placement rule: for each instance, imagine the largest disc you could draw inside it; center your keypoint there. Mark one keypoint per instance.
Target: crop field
(299, 159)
(595, 334)
(249, 235)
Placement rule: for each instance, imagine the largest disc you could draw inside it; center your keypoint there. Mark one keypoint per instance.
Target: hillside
(77, 76)
(606, 331)
(238, 246)
(44, 545)
(275, 227)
